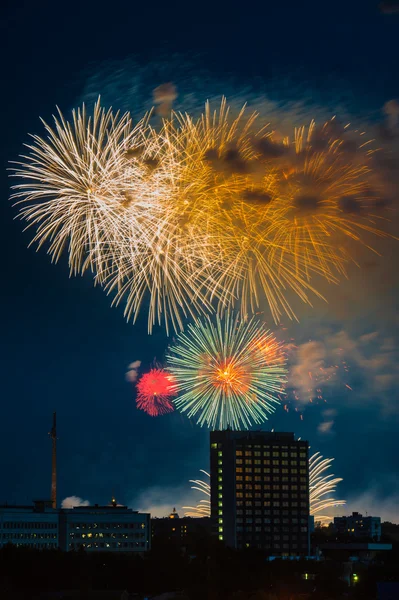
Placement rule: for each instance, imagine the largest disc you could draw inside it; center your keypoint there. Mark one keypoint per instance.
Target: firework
(155, 391)
(224, 374)
(321, 488)
(200, 214)
(203, 508)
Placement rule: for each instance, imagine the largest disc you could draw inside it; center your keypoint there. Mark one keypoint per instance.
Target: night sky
(64, 348)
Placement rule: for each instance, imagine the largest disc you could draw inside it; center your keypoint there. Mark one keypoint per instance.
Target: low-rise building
(108, 528)
(182, 532)
(111, 528)
(358, 526)
(34, 526)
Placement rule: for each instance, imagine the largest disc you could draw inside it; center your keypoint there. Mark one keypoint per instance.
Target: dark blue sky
(63, 348)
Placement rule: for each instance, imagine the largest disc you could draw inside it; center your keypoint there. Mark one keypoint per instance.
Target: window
(238, 469)
(238, 452)
(214, 446)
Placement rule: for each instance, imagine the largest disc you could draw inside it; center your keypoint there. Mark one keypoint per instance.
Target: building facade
(34, 526)
(111, 528)
(358, 526)
(260, 491)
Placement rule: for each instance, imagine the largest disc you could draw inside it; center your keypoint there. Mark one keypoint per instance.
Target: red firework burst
(154, 392)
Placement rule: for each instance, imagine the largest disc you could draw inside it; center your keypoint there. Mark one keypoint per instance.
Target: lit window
(214, 446)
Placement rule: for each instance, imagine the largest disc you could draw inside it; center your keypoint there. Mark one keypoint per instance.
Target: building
(182, 532)
(359, 527)
(34, 526)
(260, 491)
(111, 528)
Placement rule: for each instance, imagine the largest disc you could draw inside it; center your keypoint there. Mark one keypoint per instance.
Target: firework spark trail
(321, 488)
(200, 214)
(228, 372)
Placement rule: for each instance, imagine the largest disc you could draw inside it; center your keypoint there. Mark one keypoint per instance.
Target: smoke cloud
(73, 502)
(372, 361)
(132, 372)
(160, 501)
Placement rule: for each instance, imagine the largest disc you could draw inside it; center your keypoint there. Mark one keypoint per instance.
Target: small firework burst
(155, 391)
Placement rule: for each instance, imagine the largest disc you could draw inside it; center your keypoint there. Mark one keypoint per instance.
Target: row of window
(107, 525)
(114, 536)
(267, 462)
(267, 479)
(248, 490)
(275, 539)
(40, 546)
(105, 545)
(28, 525)
(275, 546)
(277, 489)
(286, 521)
(29, 536)
(275, 452)
(276, 534)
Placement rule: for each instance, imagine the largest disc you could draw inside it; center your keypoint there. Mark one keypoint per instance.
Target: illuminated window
(220, 487)
(220, 479)
(220, 453)
(214, 446)
(238, 452)
(221, 537)
(238, 469)
(220, 470)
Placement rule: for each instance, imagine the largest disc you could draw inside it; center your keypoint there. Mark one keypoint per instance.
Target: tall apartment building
(358, 526)
(260, 491)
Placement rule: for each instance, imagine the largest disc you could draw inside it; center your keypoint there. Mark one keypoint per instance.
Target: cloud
(366, 365)
(164, 96)
(309, 369)
(73, 502)
(375, 504)
(160, 501)
(389, 7)
(132, 372)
